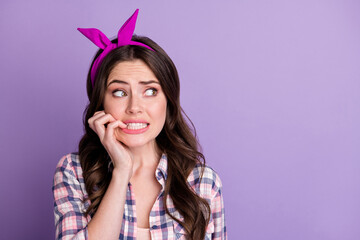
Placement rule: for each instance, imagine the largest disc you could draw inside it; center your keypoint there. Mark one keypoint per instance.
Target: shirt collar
(161, 170)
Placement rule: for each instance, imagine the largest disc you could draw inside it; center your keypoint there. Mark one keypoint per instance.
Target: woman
(138, 173)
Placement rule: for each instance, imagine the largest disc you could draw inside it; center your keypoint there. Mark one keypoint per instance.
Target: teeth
(135, 126)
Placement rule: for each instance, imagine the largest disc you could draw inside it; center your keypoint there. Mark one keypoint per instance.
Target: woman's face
(135, 97)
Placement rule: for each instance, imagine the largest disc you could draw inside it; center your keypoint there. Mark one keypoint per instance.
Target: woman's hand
(118, 152)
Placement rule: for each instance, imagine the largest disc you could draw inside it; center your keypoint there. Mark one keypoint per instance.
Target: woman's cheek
(115, 111)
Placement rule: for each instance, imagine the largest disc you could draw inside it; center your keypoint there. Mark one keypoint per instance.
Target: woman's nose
(134, 105)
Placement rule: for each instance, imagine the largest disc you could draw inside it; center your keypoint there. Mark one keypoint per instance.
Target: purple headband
(99, 39)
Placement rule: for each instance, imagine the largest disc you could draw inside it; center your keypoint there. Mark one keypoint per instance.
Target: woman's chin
(134, 143)
(135, 140)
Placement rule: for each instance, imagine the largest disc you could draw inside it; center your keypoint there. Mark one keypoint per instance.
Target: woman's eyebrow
(141, 82)
(149, 82)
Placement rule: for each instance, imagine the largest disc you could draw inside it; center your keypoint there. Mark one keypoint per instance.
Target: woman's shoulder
(205, 181)
(69, 160)
(70, 164)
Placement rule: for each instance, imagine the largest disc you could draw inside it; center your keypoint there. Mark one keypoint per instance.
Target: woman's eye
(151, 92)
(119, 93)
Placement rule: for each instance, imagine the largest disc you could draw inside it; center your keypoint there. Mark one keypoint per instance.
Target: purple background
(272, 87)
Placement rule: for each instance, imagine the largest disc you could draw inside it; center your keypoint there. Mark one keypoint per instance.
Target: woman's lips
(134, 121)
(135, 127)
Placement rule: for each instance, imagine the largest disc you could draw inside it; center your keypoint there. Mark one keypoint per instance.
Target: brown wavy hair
(177, 139)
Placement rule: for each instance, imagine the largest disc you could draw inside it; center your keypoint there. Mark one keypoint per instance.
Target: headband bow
(99, 39)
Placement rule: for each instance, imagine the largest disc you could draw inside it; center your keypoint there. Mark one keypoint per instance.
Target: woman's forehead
(135, 70)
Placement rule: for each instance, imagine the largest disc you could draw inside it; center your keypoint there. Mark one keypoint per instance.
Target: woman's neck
(147, 156)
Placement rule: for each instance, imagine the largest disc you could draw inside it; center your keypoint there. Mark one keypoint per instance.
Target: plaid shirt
(71, 223)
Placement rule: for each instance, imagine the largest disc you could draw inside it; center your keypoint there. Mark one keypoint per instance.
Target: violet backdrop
(272, 87)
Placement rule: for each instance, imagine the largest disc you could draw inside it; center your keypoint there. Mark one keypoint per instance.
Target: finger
(100, 116)
(99, 123)
(105, 119)
(109, 138)
(97, 115)
(122, 124)
(98, 112)
(111, 129)
(92, 120)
